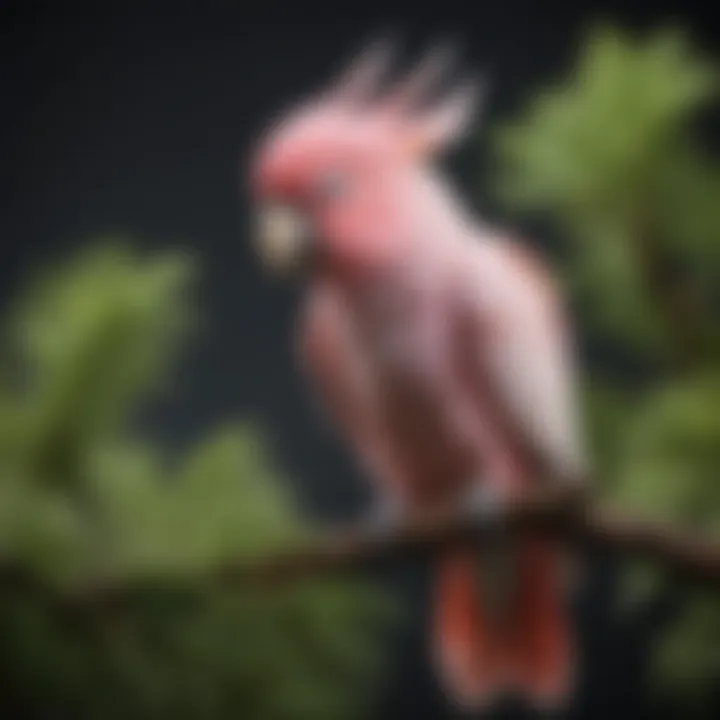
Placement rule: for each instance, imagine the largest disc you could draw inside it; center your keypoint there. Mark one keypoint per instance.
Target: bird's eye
(332, 185)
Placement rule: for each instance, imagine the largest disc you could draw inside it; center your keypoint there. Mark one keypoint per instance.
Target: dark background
(137, 121)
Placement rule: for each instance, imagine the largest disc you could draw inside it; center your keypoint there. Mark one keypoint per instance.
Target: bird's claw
(495, 564)
(485, 503)
(384, 517)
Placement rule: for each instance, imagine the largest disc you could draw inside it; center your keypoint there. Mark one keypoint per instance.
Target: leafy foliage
(83, 501)
(610, 155)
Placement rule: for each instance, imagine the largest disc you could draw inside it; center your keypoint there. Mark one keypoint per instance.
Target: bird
(441, 348)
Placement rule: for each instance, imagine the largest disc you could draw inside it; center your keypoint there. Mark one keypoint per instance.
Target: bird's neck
(437, 225)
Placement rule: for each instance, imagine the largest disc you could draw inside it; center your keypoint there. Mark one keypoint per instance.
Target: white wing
(530, 358)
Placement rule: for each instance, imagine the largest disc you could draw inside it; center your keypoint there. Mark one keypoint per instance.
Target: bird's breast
(395, 329)
(408, 354)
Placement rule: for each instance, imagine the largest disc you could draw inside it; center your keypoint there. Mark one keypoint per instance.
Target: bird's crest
(432, 115)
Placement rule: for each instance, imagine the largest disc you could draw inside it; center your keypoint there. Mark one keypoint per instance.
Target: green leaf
(83, 500)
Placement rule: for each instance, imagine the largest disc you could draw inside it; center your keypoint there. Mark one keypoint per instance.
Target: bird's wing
(333, 364)
(527, 359)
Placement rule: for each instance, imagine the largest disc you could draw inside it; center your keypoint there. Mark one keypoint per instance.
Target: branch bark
(677, 307)
(688, 555)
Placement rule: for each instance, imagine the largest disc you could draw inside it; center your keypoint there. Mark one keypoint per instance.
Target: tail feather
(521, 646)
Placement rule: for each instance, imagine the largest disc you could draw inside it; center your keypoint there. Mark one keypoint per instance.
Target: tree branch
(687, 555)
(678, 309)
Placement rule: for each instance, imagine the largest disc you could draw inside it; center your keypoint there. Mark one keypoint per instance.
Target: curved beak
(284, 239)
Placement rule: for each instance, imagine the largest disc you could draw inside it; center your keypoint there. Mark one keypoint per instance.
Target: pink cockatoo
(440, 348)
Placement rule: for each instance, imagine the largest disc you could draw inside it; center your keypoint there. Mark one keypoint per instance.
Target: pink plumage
(441, 349)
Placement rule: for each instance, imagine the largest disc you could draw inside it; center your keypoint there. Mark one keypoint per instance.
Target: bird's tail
(502, 625)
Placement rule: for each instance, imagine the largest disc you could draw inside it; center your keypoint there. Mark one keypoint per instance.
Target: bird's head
(333, 180)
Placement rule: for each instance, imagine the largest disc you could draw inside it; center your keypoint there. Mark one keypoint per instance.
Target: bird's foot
(485, 503)
(384, 517)
(487, 506)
